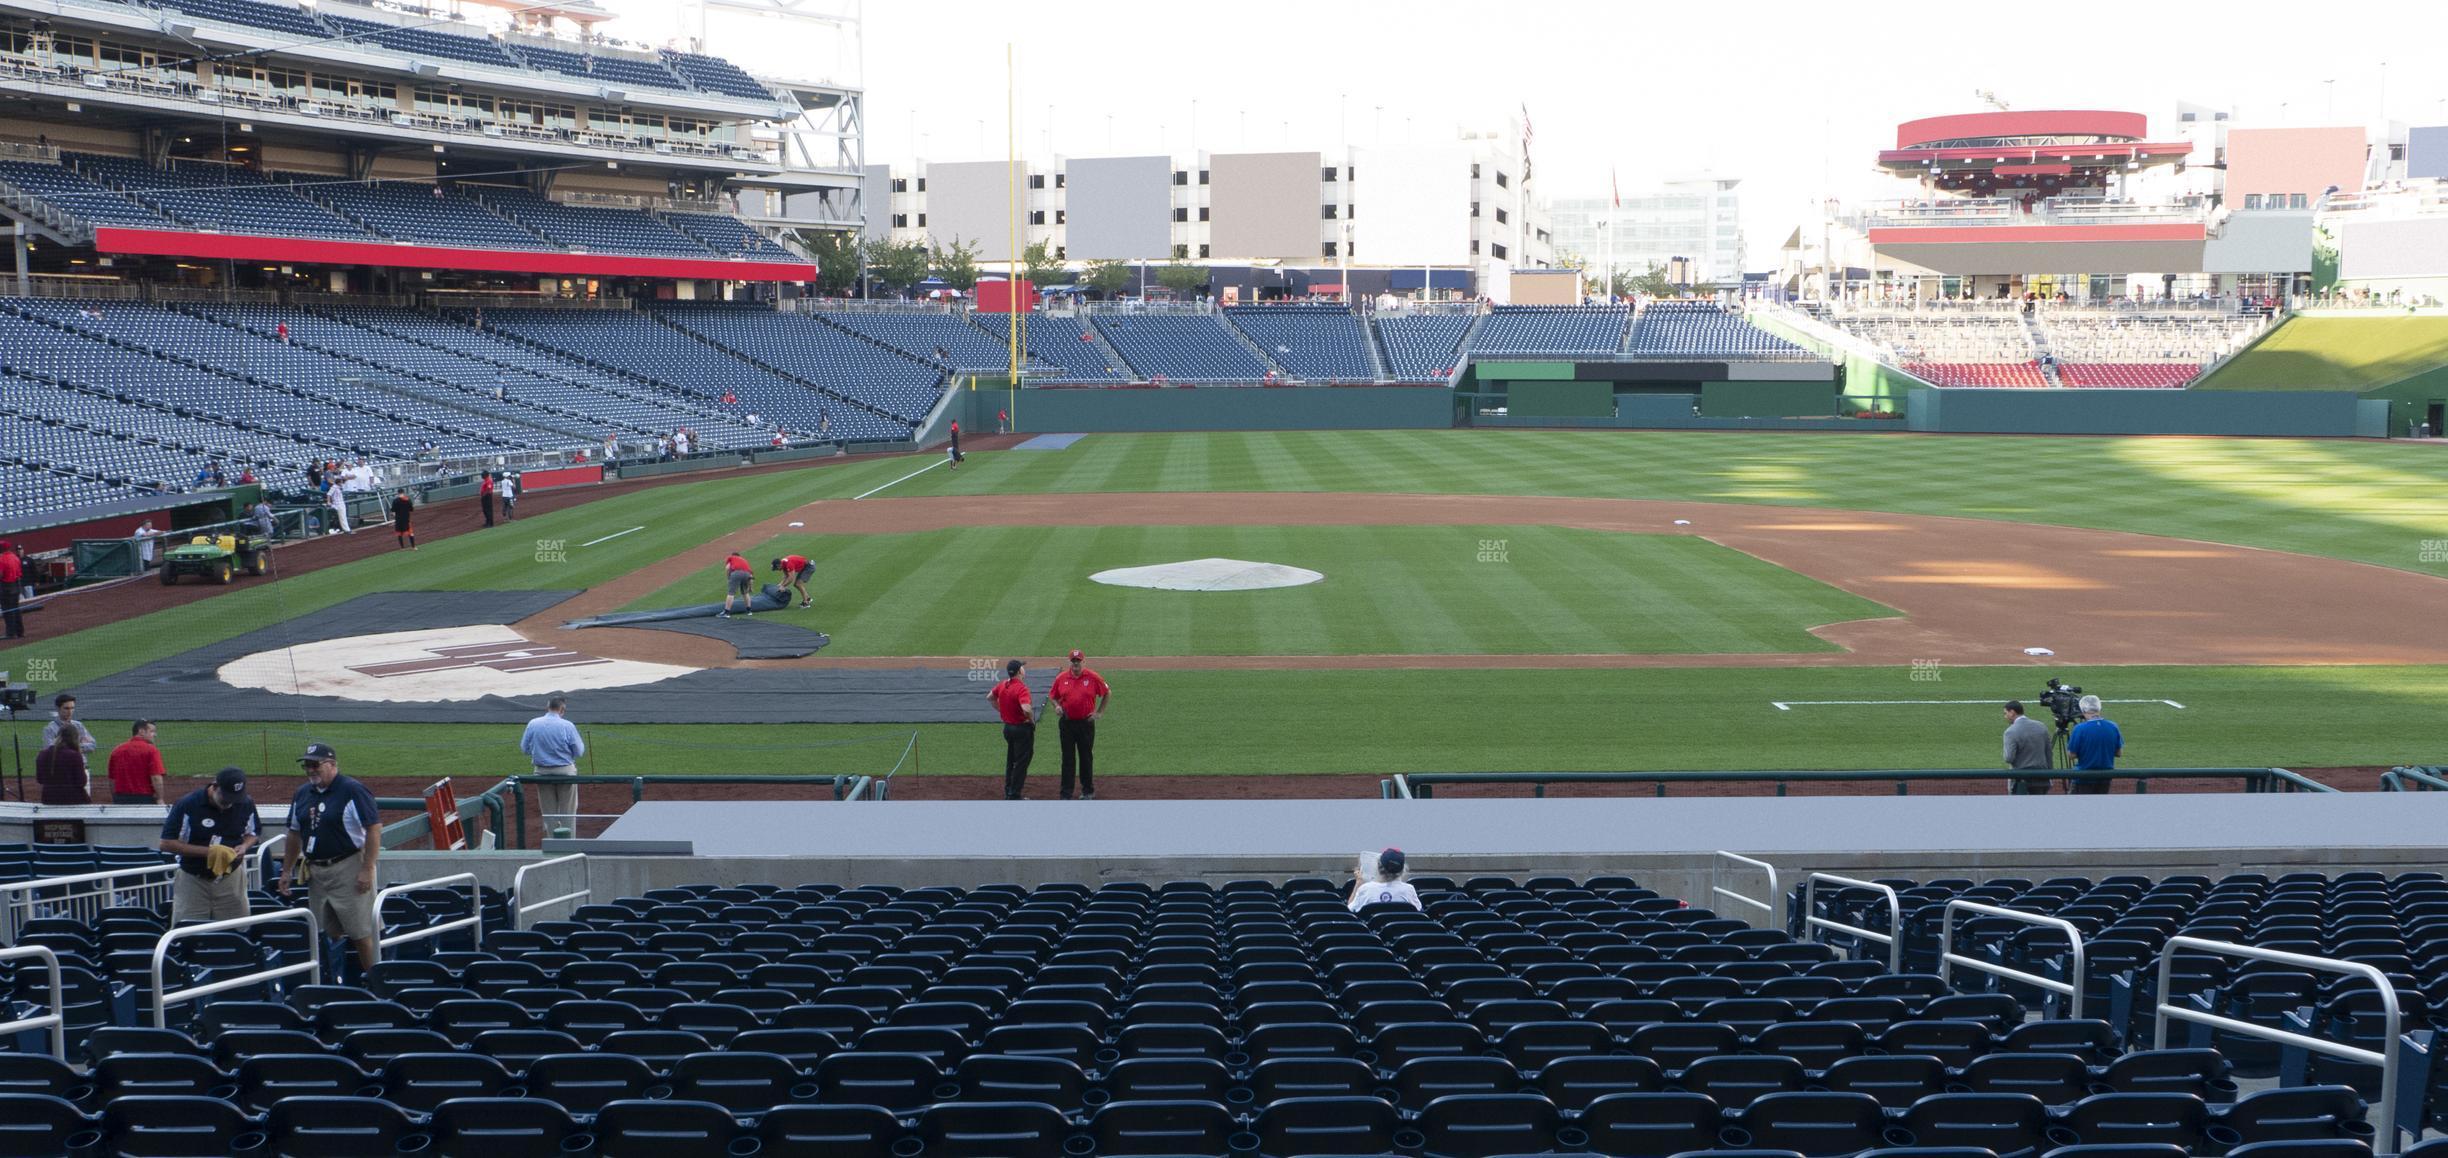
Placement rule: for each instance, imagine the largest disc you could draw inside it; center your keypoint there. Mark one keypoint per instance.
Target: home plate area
(435, 664)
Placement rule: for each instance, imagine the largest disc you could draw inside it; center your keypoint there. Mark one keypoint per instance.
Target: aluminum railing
(473, 921)
(2392, 1018)
(57, 1020)
(1948, 958)
(520, 906)
(164, 998)
(84, 896)
(1718, 891)
(1893, 938)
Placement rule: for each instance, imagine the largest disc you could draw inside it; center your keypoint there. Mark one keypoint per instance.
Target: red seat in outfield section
(2129, 375)
(2012, 374)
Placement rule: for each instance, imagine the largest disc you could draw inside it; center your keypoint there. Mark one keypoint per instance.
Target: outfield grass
(1004, 591)
(2374, 502)
(1289, 722)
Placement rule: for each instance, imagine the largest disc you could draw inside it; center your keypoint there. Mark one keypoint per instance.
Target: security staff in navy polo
(336, 830)
(211, 830)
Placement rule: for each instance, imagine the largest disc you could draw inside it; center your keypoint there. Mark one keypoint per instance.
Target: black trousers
(2087, 787)
(487, 500)
(1078, 749)
(1019, 747)
(2029, 786)
(9, 614)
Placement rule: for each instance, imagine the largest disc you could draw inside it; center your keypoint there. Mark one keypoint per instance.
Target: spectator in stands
(314, 475)
(246, 475)
(2027, 746)
(611, 449)
(2093, 746)
(509, 497)
(281, 331)
(553, 745)
(61, 771)
(335, 828)
(824, 422)
(12, 582)
(136, 771)
(63, 720)
(210, 830)
(1377, 880)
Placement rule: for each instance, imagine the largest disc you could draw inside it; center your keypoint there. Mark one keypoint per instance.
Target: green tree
(1108, 277)
(1649, 283)
(1039, 265)
(837, 259)
(899, 264)
(957, 264)
(1182, 277)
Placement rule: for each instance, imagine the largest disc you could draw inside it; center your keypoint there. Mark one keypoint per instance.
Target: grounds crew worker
(335, 828)
(1011, 701)
(795, 570)
(1080, 694)
(211, 830)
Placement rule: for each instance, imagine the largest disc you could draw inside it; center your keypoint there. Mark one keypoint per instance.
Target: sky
(1793, 98)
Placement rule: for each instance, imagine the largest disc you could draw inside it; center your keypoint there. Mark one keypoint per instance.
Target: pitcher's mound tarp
(751, 638)
(188, 686)
(774, 597)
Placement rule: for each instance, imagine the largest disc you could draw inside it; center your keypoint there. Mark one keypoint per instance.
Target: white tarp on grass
(1209, 575)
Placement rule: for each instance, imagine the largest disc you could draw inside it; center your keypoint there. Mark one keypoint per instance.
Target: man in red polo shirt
(136, 772)
(795, 570)
(739, 582)
(1011, 701)
(1080, 695)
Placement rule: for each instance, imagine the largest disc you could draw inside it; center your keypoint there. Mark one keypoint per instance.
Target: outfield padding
(1093, 410)
(2318, 414)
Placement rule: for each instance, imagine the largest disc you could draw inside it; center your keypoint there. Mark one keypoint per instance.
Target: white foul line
(610, 537)
(1789, 705)
(904, 478)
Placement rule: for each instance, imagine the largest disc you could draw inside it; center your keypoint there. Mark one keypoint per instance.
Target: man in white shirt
(1383, 886)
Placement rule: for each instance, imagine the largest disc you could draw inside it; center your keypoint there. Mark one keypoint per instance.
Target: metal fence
(83, 897)
(2071, 987)
(164, 997)
(2425, 779)
(1893, 938)
(385, 939)
(2392, 1017)
(1718, 891)
(521, 905)
(1422, 785)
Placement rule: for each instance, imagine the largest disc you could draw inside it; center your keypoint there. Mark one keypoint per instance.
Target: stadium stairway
(2040, 351)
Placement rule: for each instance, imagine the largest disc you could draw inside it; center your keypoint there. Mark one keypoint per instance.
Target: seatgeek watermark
(552, 551)
(982, 671)
(42, 671)
(2433, 551)
(1925, 671)
(1495, 550)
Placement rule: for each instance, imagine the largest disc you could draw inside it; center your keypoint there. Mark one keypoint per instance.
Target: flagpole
(1011, 205)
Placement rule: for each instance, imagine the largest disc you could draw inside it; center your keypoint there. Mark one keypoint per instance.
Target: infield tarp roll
(774, 597)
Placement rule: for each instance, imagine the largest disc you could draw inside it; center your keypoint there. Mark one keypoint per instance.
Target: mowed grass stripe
(1388, 590)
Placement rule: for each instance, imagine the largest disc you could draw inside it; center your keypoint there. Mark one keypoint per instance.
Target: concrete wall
(1119, 207)
(2285, 162)
(1264, 205)
(1222, 408)
(969, 201)
(2316, 414)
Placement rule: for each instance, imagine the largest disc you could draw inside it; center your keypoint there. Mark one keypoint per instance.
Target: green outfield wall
(2299, 413)
(1106, 409)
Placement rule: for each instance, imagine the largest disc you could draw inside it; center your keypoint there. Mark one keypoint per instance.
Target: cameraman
(2027, 747)
(2093, 746)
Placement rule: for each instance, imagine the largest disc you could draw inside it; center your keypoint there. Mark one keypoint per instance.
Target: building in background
(1461, 211)
(1698, 219)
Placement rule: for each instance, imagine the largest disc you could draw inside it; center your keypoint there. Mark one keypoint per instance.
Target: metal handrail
(519, 905)
(264, 858)
(57, 1020)
(1893, 938)
(2072, 987)
(474, 919)
(1422, 785)
(312, 966)
(1716, 867)
(20, 899)
(2411, 779)
(2391, 1016)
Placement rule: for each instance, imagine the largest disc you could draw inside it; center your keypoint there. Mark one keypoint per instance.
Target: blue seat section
(225, 198)
(884, 380)
(1422, 347)
(1540, 1016)
(921, 335)
(413, 211)
(579, 61)
(1055, 340)
(1318, 343)
(426, 42)
(1180, 347)
(1702, 330)
(595, 229)
(716, 75)
(729, 236)
(636, 345)
(1551, 330)
(79, 196)
(277, 17)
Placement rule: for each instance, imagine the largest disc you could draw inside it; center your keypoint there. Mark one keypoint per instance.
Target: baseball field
(1489, 600)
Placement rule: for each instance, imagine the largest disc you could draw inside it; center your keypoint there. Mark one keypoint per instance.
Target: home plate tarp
(451, 657)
